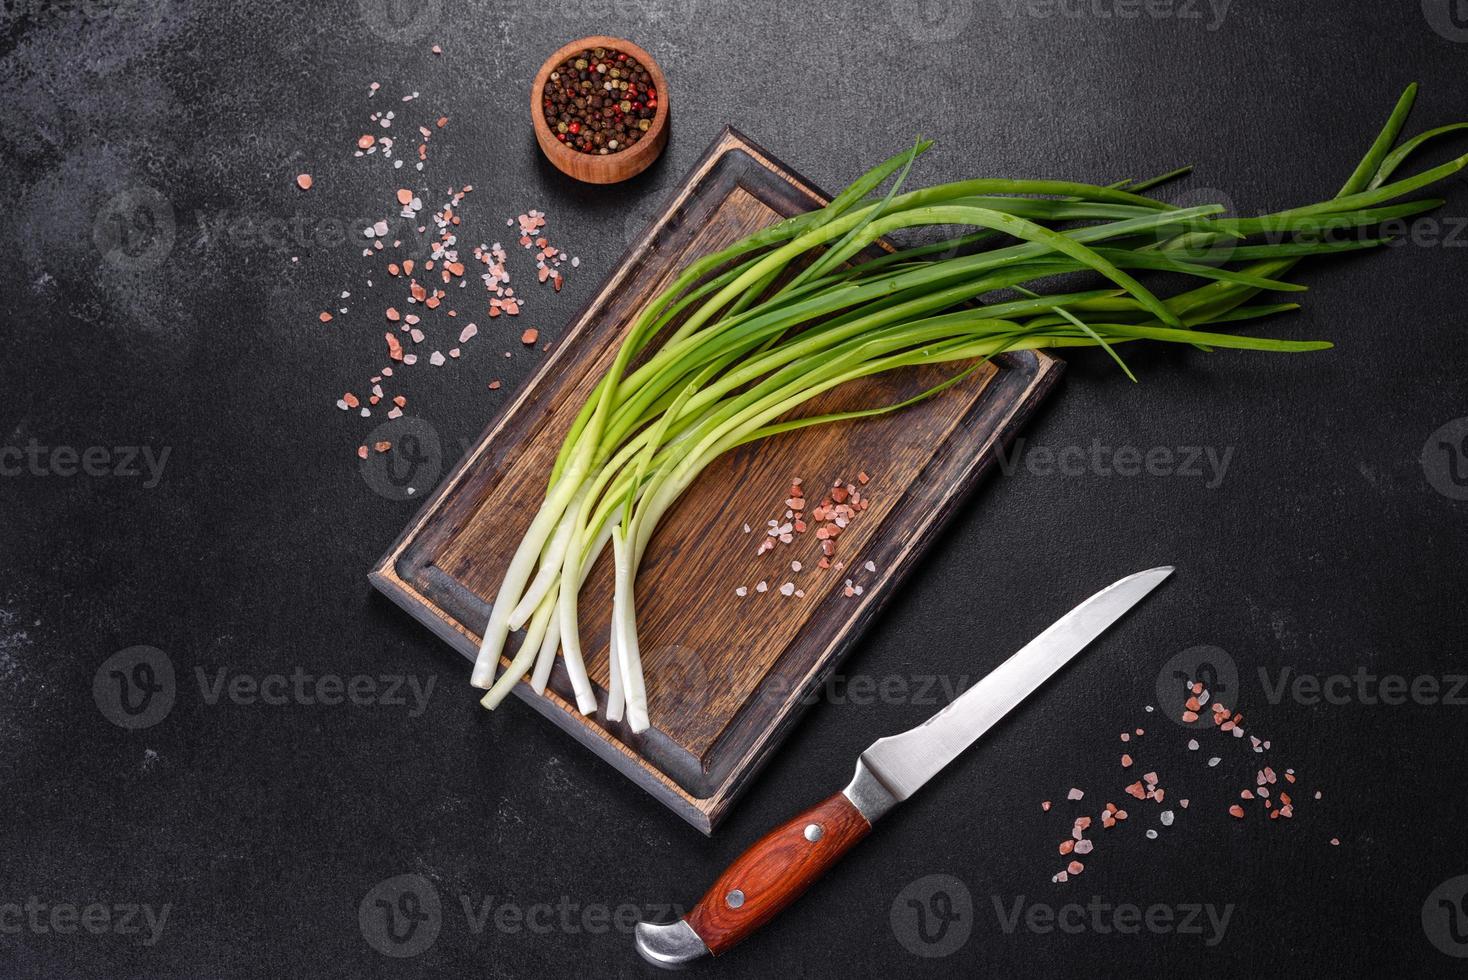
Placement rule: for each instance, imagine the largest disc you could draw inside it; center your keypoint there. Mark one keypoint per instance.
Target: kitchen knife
(786, 861)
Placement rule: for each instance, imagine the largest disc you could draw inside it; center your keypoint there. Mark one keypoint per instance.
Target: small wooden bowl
(594, 168)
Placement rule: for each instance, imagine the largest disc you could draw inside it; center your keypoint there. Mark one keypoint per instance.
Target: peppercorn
(600, 101)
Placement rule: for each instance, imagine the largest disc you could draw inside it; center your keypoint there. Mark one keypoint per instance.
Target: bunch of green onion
(731, 350)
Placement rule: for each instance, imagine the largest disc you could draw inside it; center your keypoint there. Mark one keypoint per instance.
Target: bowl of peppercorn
(600, 109)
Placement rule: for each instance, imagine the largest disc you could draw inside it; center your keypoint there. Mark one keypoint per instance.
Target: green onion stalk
(729, 353)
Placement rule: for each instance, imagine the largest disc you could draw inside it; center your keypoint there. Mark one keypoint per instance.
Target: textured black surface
(1325, 547)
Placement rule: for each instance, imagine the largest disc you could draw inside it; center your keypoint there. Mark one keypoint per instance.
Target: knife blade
(778, 867)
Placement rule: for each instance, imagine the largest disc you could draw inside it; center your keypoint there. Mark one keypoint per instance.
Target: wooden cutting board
(726, 675)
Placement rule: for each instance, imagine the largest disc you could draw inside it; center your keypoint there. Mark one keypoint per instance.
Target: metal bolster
(671, 946)
(868, 795)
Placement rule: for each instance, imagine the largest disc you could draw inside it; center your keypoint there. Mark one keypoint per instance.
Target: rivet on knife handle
(774, 872)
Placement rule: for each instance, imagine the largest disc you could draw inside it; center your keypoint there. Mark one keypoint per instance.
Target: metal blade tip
(902, 763)
(1158, 574)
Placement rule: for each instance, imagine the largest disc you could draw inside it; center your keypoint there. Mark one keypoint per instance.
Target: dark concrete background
(1325, 547)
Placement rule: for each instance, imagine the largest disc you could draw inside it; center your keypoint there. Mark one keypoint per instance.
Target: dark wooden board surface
(726, 675)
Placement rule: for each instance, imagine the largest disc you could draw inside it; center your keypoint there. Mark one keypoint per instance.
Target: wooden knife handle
(775, 871)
